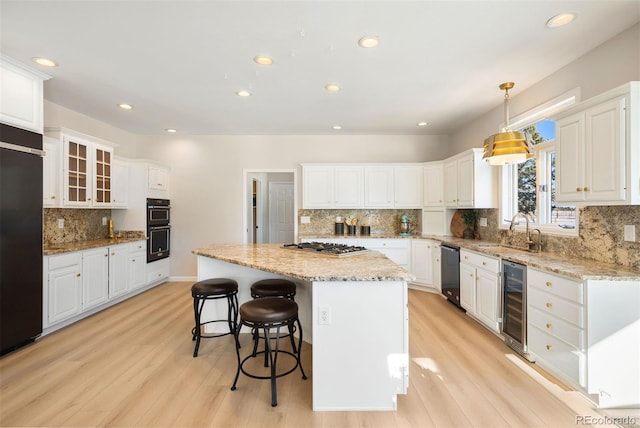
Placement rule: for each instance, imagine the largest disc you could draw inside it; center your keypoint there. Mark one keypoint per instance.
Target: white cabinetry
(598, 150)
(138, 265)
(120, 183)
(327, 186)
(64, 287)
(158, 181)
(408, 186)
(469, 182)
(21, 103)
(433, 189)
(50, 172)
(119, 270)
(425, 263)
(480, 286)
(95, 277)
(396, 250)
(157, 271)
(378, 187)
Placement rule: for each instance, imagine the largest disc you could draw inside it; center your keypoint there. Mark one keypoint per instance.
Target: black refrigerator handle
(22, 149)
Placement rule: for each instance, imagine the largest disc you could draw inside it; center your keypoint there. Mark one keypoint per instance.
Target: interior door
(280, 212)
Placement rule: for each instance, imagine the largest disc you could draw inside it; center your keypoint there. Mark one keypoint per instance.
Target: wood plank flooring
(132, 366)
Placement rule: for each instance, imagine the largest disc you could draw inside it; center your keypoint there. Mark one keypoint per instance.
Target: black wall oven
(158, 229)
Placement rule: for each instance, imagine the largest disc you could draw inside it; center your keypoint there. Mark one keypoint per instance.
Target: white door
(281, 212)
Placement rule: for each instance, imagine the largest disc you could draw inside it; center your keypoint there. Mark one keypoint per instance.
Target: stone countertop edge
(358, 236)
(574, 267)
(69, 247)
(273, 258)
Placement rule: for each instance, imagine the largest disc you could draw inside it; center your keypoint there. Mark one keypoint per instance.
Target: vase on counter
(351, 230)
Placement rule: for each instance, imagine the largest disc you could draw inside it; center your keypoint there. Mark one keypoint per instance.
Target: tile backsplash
(79, 225)
(382, 222)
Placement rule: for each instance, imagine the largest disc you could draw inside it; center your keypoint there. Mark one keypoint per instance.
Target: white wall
(207, 175)
(609, 65)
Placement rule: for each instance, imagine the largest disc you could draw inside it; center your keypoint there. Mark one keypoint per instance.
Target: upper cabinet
(469, 182)
(158, 180)
(598, 150)
(433, 190)
(50, 172)
(87, 162)
(328, 186)
(21, 103)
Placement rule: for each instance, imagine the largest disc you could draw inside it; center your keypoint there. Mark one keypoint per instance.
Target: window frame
(508, 177)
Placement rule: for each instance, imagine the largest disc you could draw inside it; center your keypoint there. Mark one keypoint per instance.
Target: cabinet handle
(53, 197)
(578, 189)
(88, 199)
(133, 260)
(549, 325)
(465, 257)
(484, 263)
(471, 275)
(586, 189)
(549, 347)
(113, 254)
(548, 305)
(78, 275)
(548, 283)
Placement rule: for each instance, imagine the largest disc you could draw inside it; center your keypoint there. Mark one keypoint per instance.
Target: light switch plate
(630, 232)
(305, 219)
(60, 223)
(482, 222)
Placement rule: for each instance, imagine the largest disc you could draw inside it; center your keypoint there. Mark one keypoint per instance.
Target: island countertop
(371, 266)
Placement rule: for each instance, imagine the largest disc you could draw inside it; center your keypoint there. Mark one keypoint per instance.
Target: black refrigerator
(20, 237)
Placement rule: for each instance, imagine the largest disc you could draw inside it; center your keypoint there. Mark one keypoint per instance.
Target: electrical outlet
(305, 219)
(630, 232)
(60, 223)
(104, 221)
(324, 315)
(482, 222)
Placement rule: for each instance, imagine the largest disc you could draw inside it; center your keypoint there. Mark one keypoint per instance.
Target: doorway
(270, 206)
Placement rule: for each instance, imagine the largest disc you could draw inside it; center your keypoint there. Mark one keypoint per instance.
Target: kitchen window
(530, 187)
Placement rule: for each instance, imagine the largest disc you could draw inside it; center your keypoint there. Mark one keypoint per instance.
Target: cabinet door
(466, 183)
(407, 181)
(468, 287)
(22, 98)
(487, 298)
(570, 158)
(95, 273)
(433, 185)
(436, 267)
(119, 275)
(137, 269)
(50, 172)
(604, 152)
(317, 187)
(348, 186)
(421, 261)
(65, 293)
(378, 187)
(450, 185)
(76, 180)
(120, 184)
(102, 162)
(158, 178)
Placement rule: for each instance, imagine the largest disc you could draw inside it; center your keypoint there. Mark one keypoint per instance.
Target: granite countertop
(308, 266)
(574, 267)
(68, 247)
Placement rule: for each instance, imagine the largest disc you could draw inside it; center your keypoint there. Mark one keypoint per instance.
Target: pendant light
(507, 147)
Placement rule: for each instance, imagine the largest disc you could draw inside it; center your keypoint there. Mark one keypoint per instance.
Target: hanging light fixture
(507, 147)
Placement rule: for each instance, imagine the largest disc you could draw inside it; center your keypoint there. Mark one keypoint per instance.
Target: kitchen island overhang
(353, 310)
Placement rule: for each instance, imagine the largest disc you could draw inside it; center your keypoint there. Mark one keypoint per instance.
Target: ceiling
(180, 63)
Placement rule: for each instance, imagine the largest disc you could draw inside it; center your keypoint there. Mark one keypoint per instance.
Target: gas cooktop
(336, 250)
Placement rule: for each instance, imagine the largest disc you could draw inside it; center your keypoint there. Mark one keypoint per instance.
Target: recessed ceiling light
(369, 41)
(560, 19)
(332, 87)
(423, 123)
(337, 127)
(125, 106)
(263, 60)
(44, 62)
(171, 130)
(243, 93)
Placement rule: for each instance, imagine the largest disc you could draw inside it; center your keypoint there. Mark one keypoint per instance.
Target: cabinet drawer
(381, 244)
(558, 285)
(566, 359)
(483, 262)
(563, 330)
(138, 246)
(553, 305)
(64, 260)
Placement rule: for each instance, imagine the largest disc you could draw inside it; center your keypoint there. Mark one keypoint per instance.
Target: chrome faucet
(531, 244)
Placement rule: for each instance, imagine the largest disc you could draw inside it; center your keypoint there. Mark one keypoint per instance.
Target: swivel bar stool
(273, 287)
(214, 289)
(265, 314)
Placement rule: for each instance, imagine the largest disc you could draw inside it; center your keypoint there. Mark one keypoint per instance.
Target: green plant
(469, 218)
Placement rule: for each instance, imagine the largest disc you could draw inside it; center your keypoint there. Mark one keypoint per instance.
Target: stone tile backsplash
(382, 222)
(79, 225)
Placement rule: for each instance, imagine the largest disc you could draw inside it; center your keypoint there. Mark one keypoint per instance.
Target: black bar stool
(273, 287)
(214, 289)
(265, 314)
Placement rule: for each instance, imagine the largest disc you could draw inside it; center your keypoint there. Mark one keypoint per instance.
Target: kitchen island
(352, 309)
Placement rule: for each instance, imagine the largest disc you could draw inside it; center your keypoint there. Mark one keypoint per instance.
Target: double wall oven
(158, 229)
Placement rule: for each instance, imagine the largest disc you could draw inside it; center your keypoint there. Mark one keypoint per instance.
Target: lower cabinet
(425, 263)
(480, 287)
(83, 281)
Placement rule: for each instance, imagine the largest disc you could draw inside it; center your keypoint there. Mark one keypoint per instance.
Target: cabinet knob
(549, 305)
(88, 199)
(549, 347)
(578, 189)
(548, 283)
(586, 189)
(113, 254)
(484, 263)
(549, 325)
(133, 260)
(78, 275)
(471, 275)
(53, 197)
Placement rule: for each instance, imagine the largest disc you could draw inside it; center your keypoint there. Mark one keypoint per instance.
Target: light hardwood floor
(132, 365)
